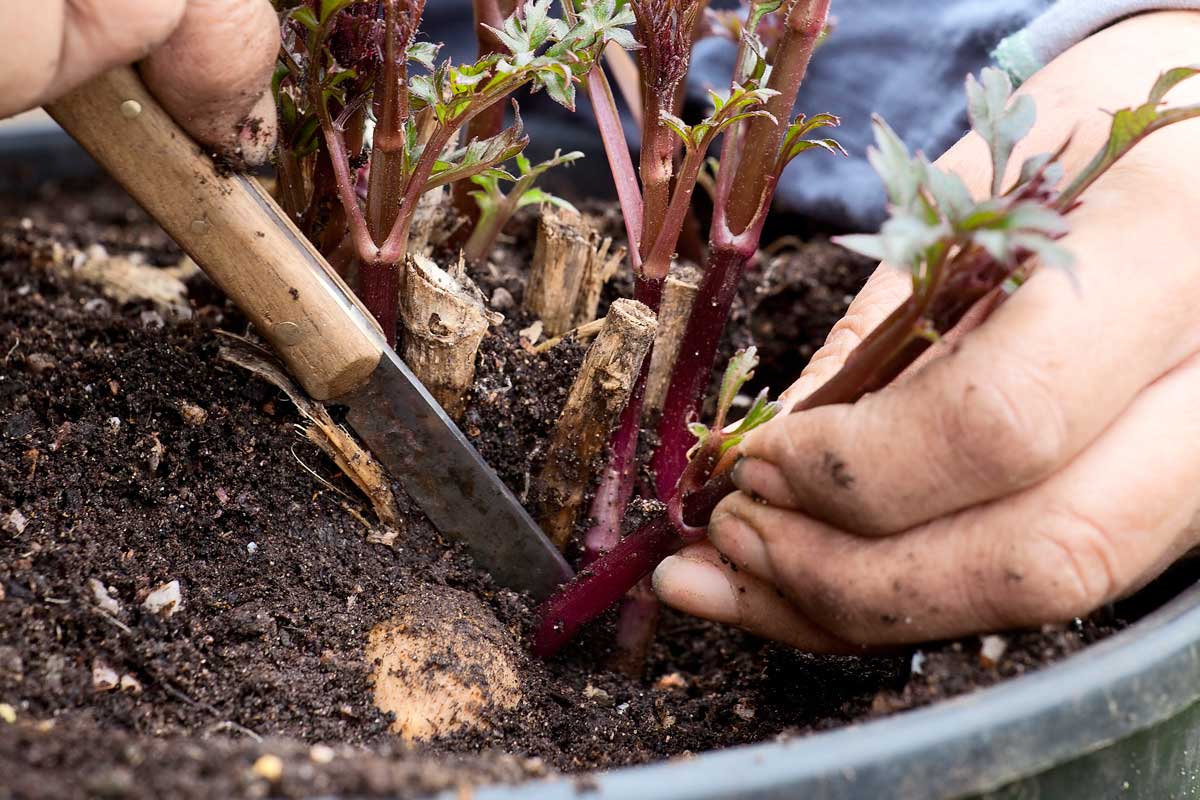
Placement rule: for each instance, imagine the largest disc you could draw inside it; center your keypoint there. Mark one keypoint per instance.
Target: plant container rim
(960, 747)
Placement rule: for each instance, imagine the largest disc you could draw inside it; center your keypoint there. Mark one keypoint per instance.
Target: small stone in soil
(15, 522)
(192, 414)
(104, 600)
(165, 600)
(104, 677)
(991, 650)
(502, 299)
(321, 754)
(600, 696)
(672, 680)
(40, 362)
(269, 767)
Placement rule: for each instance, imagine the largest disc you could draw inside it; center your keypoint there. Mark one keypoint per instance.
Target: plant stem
(492, 220)
(616, 485)
(657, 263)
(594, 589)
(379, 288)
(693, 368)
(637, 622)
(380, 280)
(620, 164)
(291, 191)
(759, 149)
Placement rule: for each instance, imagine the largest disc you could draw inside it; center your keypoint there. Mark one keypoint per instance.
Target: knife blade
(245, 243)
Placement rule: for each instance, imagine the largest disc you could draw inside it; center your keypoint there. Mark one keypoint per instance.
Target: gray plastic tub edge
(971, 745)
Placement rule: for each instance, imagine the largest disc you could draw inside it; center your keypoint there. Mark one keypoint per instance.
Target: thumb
(214, 75)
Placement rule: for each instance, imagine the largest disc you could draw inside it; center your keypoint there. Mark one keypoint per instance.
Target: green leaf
(901, 174)
(998, 118)
(1130, 126)
(559, 83)
(908, 239)
(305, 16)
(1046, 163)
(865, 244)
(951, 195)
(537, 197)
(424, 53)
(479, 156)
(739, 371)
(331, 7)
(1169, 80)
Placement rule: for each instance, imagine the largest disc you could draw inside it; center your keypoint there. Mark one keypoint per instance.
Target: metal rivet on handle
(130, 109)
(288, 333)
(199, 226)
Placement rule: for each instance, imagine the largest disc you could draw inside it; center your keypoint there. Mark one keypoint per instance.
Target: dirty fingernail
(764, 481)
(740, 543)
(696, 587)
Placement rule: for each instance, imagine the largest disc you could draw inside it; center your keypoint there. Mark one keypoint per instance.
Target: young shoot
(497, 206)
(958, 251)
(343, 58)
(656, 201)
(606, 580)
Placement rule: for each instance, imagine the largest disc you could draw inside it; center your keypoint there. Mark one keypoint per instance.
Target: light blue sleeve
(1066, 23)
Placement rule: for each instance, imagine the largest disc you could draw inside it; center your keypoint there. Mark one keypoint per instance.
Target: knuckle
(1009, 431)
(1067, 568)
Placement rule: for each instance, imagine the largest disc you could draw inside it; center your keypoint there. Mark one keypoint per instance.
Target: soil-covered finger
(214, 73)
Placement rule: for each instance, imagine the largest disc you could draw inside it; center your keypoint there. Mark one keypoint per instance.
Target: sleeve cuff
(1065, 24)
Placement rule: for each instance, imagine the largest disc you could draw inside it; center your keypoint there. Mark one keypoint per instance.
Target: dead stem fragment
(679, 294)
(351, 458)
(598, 396)
(571, 264)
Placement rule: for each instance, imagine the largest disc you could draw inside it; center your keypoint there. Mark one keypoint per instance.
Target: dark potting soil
(131, 457)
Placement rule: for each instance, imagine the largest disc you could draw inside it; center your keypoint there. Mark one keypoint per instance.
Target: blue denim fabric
(905, 59)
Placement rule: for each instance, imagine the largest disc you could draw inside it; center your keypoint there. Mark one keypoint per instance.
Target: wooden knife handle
(233, 229)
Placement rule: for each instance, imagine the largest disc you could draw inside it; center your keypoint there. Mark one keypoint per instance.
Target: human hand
(209, 62)
(1034, 467)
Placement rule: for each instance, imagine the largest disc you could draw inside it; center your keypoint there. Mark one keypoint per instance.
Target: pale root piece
(443, 664)
(597, 397)
(571, 264)
(679, 293)
(445, 319)
(127, 278)
(355, 461)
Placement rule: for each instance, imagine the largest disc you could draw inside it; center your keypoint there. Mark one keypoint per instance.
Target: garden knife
(246, 244)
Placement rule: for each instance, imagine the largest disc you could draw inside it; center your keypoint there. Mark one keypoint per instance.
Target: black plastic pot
(1118, 720)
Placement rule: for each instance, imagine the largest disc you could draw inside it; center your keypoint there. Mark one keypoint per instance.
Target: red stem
(693, 369)
(594, 589)
(620, 164)
(763, 137)
(379, 288)
(637, 622)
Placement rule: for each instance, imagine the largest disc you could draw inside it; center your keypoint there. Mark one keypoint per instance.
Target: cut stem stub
(445, 320)
(599, 394)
